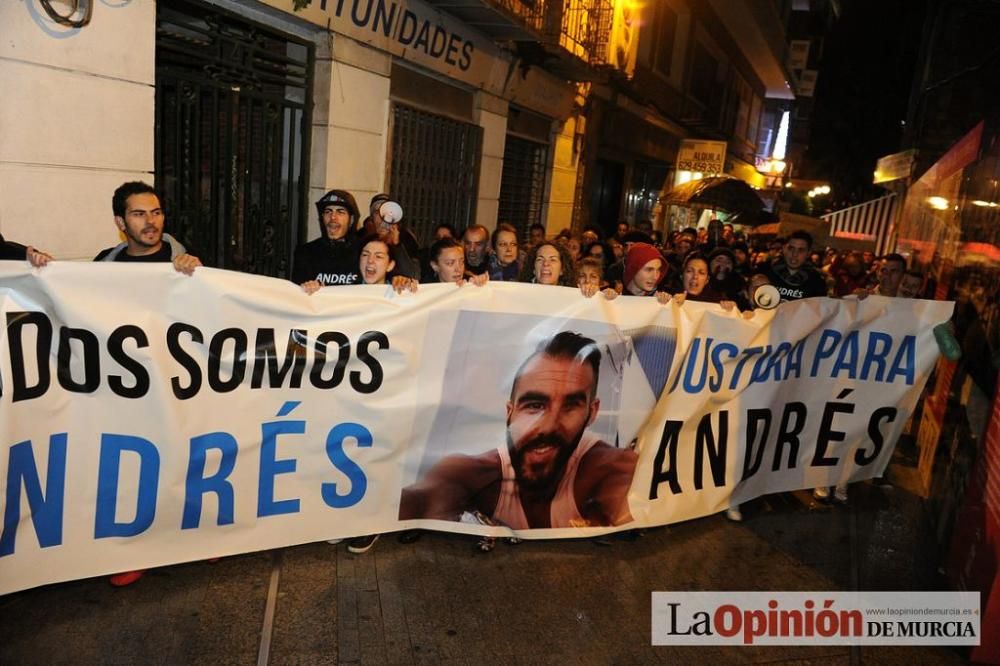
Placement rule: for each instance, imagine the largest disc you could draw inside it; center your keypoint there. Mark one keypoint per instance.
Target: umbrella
(722, 192)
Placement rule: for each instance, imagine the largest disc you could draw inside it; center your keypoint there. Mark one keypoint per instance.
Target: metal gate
(434, 169)
(522, 184)
(232, 131)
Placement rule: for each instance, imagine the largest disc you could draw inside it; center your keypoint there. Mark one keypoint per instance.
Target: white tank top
(563, 511)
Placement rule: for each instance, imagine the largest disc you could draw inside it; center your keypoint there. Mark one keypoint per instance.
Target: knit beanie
(639, 254)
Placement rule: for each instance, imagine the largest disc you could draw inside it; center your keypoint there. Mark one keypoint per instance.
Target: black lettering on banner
(707, 443)
(265, 354)
(755, 452)
(90, 357)
(668, 444)
(16, 321)
(789, 434)
(239, 359)
(184, 359)
(826, 432)
(887, 414)
(116, 347)
(365, 357)
(323, 341)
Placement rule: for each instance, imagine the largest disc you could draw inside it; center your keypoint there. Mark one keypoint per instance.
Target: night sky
(862, 93)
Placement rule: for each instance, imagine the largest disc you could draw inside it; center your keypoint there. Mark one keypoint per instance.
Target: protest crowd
(715, 264)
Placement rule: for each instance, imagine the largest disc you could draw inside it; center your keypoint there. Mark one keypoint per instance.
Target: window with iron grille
(522, 184)
(434, 169)
(232, 124)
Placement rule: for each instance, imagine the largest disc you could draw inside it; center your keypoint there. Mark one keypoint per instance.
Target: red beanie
(639, 254)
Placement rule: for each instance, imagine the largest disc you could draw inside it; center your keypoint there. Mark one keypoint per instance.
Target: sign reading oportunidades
(149, 418)
(415, 31)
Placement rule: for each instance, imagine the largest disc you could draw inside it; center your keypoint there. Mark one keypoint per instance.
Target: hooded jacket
(112, 253)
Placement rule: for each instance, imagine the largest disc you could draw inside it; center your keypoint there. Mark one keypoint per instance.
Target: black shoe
(409, 536)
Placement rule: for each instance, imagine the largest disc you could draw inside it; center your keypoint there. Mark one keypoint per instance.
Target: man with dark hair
(723, 276)
(551, 472)
(476, 241)
(402, 243)
(890, 274)
(332, 258)
(713, 237)
(139, 215)
(912, 284)
(792, 275)
(536, 234)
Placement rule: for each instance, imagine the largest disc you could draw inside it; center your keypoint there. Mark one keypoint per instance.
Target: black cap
(637, 237)
(338, 198)
(722, 252)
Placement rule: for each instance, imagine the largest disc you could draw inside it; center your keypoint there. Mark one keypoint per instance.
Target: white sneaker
(840, 494)
(822, 493)
(362, 544)
(333, 542)
(734, 514)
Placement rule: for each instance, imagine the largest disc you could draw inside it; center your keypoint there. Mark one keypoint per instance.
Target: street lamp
(773, 171)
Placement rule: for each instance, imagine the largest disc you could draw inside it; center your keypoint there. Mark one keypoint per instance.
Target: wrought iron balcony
(567, 37)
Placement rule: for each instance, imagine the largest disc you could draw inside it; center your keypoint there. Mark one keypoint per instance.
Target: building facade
(243, 112)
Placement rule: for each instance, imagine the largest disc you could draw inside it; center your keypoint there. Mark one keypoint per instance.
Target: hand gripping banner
(149, 418)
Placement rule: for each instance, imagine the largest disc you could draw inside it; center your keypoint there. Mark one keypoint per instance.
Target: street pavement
(441, 601)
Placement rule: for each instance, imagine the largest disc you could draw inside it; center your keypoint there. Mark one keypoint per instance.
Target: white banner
(149, 418)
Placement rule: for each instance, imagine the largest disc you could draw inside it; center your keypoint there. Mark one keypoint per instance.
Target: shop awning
(718, 192)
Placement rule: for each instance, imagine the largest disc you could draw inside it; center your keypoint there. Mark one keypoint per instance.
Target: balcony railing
(580, 28)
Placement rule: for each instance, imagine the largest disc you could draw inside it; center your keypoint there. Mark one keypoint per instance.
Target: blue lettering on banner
(44, 506)
(270, 466)
(335, 451)
(197, 484)
(863, 356)
(109, 480)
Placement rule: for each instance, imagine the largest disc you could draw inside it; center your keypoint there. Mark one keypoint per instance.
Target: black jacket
(804, 283)
(329, 262)
(9, 250)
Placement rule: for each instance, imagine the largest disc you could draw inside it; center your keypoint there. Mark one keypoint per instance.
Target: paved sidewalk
(440, 601)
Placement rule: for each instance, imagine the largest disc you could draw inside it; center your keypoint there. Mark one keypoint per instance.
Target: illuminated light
(683, 177)
(697, 175)
(937, 203)
(988, 204)
(788, 184)
(781, 142)
(825, 189)
(777, 166)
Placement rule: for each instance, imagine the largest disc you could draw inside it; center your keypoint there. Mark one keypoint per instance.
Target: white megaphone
(390, 212)
(766, 297)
